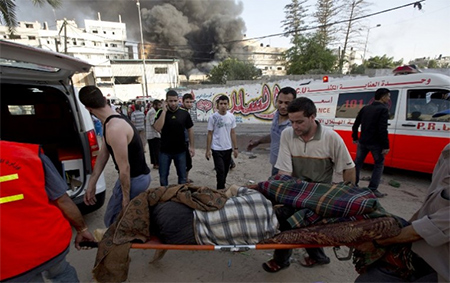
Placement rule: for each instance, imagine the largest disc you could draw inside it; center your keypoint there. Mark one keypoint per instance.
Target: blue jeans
(378, 166)
(55, 270)
(165, 159)
(138, 185)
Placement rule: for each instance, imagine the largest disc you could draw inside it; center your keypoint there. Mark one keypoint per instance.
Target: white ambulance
(419, 124)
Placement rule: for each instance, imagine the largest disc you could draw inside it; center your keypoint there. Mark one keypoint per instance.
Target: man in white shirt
(221, 140)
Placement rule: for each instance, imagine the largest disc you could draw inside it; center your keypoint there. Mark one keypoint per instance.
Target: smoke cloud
(197, 32)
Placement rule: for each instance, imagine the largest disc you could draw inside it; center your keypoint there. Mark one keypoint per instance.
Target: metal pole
(142, 48)
(367, 40)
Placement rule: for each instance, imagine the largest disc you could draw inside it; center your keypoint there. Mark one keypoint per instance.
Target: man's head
(383, 95)
(188, 101)
(285, 96)
(172, 100)
(302, 114)
(222, 104)
(92, 97)
(157, 104)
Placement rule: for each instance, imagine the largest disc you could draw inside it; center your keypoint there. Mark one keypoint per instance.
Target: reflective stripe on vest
(32, 230)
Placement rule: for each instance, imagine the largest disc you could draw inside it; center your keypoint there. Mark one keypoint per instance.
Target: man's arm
(234, 143)
(208, 145)
(355, 127)
(120, 134)
(160, 118)
(191, 141)
(284, 160)
(73, 215)
(102, 159)
(254, 143)
(349, 175)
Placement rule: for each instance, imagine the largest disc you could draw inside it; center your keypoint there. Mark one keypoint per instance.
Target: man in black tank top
(120, 140)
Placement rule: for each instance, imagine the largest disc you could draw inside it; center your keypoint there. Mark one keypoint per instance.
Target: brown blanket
(340, 234)
(112, 260)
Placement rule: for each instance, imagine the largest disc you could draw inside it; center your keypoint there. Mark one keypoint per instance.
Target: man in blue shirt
(279, 123)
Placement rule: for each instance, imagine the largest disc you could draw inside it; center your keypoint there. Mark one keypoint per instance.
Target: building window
(113, 45)
(83, 43)
(113, 33)
(14, 36)
(104, 32)
(160, 70)
(31, 37)
(280, 68)
(29, 25)
(106, 44)
(95, 31)
(126, 80)
(5, 36)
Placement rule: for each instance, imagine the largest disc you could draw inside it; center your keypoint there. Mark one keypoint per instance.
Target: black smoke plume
(197, 32)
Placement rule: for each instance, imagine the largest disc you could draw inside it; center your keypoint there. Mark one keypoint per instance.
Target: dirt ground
(215, 266)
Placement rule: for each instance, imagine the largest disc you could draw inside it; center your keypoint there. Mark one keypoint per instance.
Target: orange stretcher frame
(155, 244)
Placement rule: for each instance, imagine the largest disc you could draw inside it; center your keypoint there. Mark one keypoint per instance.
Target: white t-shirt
(221, 126)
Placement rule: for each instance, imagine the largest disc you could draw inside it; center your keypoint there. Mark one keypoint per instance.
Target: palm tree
(8, 10)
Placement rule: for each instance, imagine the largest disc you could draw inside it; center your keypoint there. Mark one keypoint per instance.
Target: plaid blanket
(321, 202)
(246, 218)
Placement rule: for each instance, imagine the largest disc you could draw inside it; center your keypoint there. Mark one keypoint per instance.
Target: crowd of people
(299, 147)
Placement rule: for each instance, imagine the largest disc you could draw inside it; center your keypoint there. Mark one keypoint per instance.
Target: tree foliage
(326, 13)
(309, 56)
(353, 9)
(294, 22)
(383, 62)
(233, 69)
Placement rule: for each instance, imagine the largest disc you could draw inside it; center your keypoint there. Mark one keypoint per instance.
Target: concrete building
(118, 70)
(268, 59)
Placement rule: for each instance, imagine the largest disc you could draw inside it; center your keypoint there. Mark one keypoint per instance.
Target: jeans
(153, 146)
(274, 171)
(165, 159)
(222, 161)
(55, 270)
(138, 185)
(378, 167)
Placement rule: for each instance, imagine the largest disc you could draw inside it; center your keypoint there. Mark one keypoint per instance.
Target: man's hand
(365, 247)
(235, 153)
(208, 154)
(385, 151)
(252, 144)
(83, 236)
(89, 196)
(125, 201)
(192, 151)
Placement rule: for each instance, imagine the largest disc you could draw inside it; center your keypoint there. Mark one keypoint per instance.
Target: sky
(406, 33)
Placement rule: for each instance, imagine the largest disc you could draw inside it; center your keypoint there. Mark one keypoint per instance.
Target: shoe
(189, 181)
(272, 267)
(232, 166)
(378, 194)
(306, 261)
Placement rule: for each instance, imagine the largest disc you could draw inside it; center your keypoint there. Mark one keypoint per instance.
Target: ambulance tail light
(93, 147)
(325, 79)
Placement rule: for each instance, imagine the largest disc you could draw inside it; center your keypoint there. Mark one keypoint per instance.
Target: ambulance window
(349, 104)
(428, 105)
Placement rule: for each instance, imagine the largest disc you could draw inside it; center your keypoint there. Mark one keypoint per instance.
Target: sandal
(306, 261)
(272, 267)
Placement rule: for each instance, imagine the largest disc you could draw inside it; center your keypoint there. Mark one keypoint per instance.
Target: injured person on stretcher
(192, 215)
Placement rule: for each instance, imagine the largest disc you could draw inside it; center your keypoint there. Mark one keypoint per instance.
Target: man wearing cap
(373, 119)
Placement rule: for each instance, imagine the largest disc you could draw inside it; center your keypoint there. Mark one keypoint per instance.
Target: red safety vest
(32, 230)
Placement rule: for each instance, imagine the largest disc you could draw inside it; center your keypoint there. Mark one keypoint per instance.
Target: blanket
(112, 260)
(321, 202)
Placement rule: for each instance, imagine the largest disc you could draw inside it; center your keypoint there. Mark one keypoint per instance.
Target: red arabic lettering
(204, 105)
(260, 104)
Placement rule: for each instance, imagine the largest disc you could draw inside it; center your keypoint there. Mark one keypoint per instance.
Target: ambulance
(419, 123)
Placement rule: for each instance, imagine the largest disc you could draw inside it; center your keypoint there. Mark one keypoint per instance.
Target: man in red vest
(35, 217)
